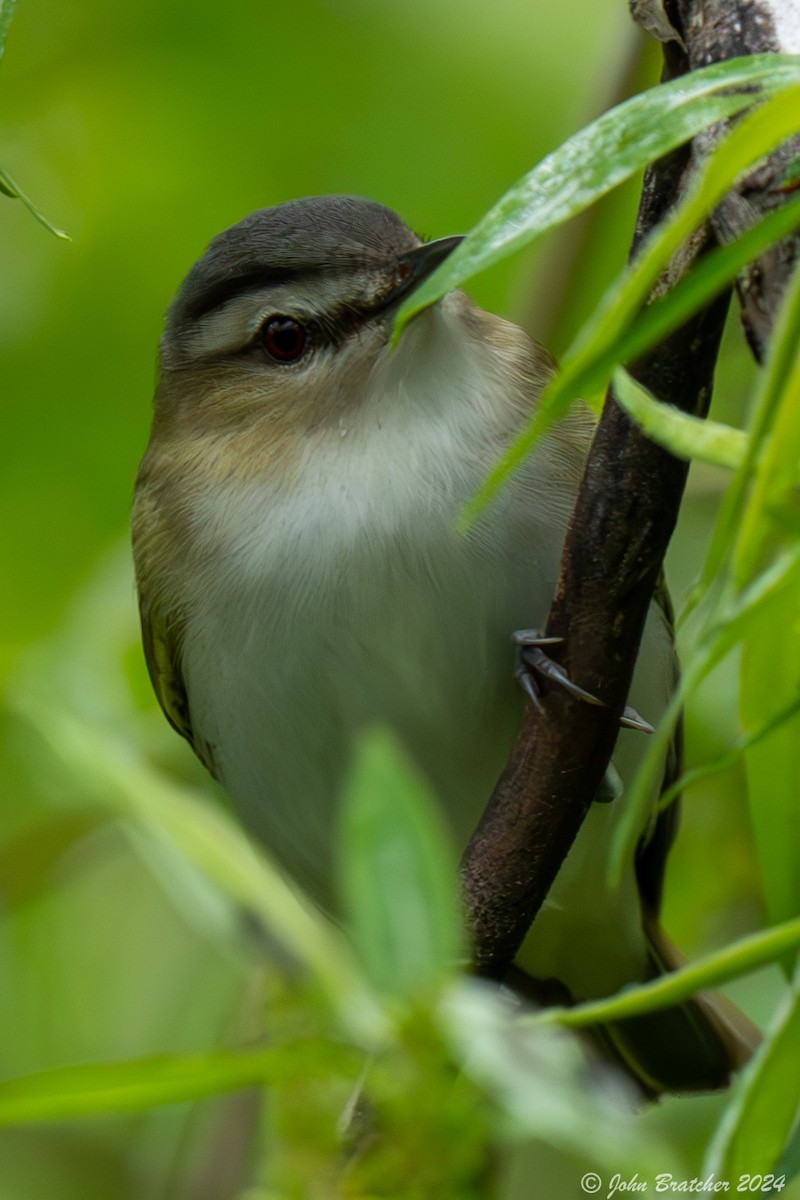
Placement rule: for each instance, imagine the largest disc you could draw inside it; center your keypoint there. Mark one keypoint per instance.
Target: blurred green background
(143, 130)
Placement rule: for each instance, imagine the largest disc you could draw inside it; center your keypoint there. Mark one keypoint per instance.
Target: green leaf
(599, 158)
(770, 682)
(683, 435)
(399, 876)
(764, 501)
(583, 368)
(7, 185)
(145, 1083)
(12, 189)
(754, 1128)
(6, 13)
(776, 475)
(765, 604)
(714, 272)
(779, 369)
(740, 957)
(729, 759)
(733, 620)
(706, 280)
(789, 1164)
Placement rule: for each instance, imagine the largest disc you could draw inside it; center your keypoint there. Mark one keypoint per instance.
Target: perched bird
(300, 575)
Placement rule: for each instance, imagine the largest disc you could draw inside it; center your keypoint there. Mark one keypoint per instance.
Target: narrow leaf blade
(598, 158)
(740, 957)
(148, 1082)
(755, 1126)
(12, 189)
(398, 872)
(6, 14)
(683, 435)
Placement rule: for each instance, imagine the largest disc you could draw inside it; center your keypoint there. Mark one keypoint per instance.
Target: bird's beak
(415, 266)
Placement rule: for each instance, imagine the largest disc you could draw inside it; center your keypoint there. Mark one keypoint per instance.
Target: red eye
(284, 339)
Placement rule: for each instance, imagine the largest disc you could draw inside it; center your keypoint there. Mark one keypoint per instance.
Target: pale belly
(283, 683)
(283, 678)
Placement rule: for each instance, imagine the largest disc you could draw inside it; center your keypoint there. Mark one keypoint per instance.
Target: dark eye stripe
(342, 318)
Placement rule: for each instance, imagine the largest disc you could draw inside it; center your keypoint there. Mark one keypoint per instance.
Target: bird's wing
(161, 638)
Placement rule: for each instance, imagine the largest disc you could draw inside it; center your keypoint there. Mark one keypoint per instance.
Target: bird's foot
(532, 660)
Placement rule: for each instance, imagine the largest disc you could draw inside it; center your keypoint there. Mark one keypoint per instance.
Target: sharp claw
(630, 719)
(533, 637)
(529, 687)
(533, 658)
(551, 670)
(580, 693)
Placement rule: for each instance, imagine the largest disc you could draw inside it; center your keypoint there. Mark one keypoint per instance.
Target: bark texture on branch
(714, 30)
(625, 514)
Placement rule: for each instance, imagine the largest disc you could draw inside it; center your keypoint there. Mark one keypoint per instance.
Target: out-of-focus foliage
(144, 130)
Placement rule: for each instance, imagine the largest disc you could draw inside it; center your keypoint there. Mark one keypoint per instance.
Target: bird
(301, 575)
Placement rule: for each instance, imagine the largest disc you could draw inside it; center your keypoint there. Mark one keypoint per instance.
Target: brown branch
(625, 514)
